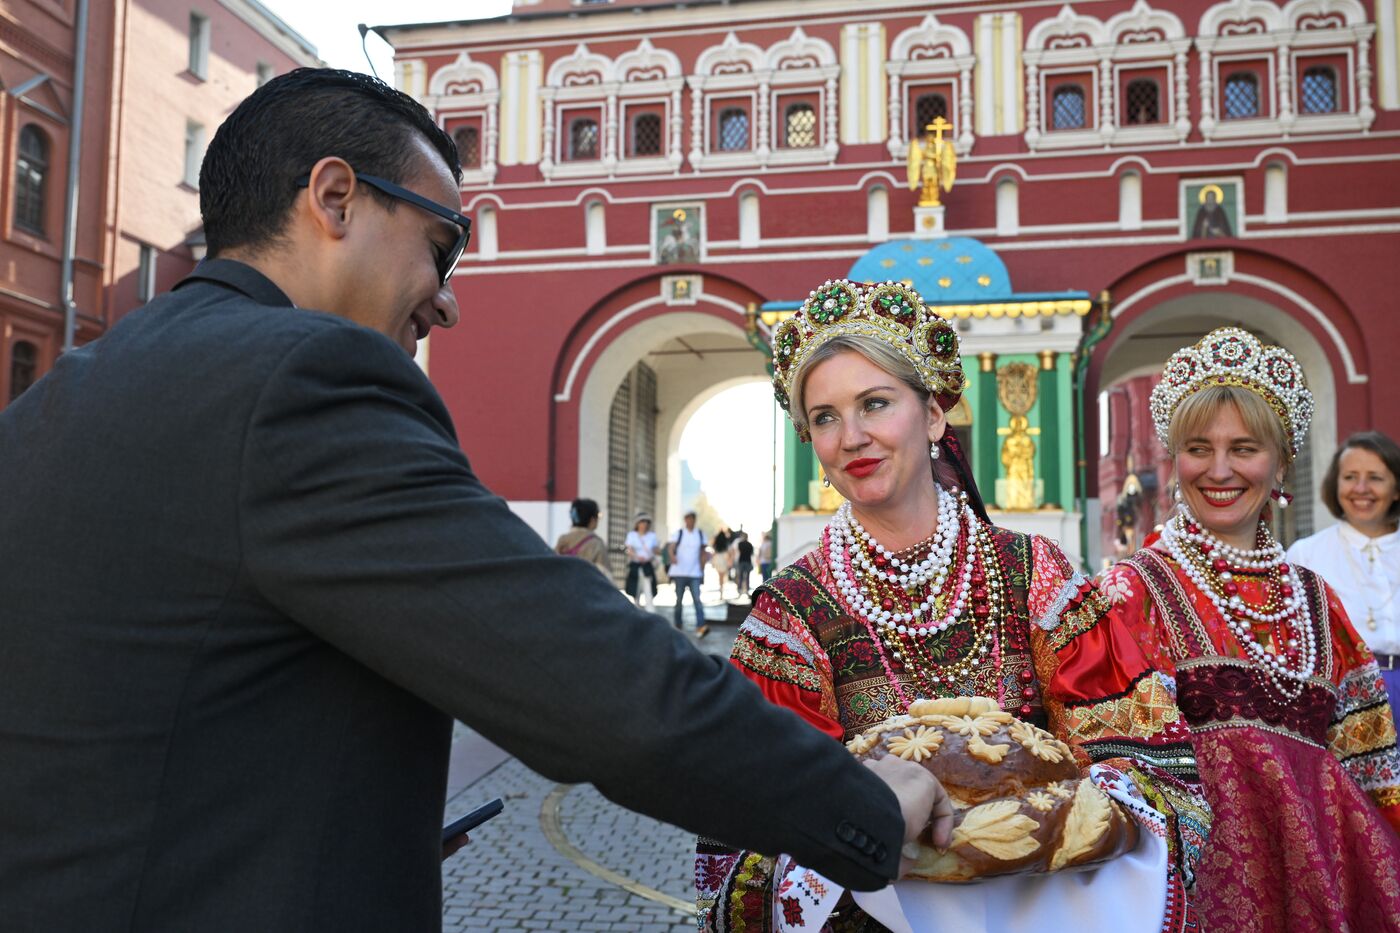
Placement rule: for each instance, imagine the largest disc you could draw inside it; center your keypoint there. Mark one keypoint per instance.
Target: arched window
(1067, 109)
(733, 130)
(468, 140)
(24, 365)
(1318, 92)
(31, 175)
(1241, 96)
(583, 139)
(801, 122)
(646, 134)
(1142, 103)
(927, 108)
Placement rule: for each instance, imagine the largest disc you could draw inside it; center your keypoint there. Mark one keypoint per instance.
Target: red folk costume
(1289, 719)
(1302, 788)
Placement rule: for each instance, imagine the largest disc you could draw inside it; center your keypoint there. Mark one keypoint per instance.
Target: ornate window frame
(730, 69)
(1257, 28)
(799, 63)
(468, 88)
(931, 50)
(650, 75)
(802, 63)
(1144, 36)
(579, 78)
(1138, 38)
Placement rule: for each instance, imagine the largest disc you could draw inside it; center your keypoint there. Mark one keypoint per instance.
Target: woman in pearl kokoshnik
(1294, 741)
(913, 593)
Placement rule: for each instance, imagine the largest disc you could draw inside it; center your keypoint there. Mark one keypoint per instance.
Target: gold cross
(938, 127)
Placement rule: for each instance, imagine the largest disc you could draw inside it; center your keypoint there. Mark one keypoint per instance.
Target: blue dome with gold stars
(946, 270)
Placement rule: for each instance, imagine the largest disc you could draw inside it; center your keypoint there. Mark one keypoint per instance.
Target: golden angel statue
(932, 164)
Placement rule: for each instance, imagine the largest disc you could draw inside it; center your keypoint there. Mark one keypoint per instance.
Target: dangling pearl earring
(826, 481)
(933, 453)
(1281, 497)
(1176, 492)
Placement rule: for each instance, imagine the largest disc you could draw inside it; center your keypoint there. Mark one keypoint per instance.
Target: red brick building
(160, 76)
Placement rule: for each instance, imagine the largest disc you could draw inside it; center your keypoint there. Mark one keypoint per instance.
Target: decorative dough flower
(916, 746)
(863, 743)
(1039, 800)
(1038, 742)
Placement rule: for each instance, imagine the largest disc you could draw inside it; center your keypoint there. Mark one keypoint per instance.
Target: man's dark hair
(1377, 443)
(248, 181)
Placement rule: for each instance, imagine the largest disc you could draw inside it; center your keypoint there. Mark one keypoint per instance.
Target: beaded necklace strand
(1291, 657)
(904, 597)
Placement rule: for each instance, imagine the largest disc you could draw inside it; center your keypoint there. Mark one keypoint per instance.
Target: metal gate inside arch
(631, 460)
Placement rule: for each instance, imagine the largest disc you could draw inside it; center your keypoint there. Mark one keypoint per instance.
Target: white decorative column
(965, 135)
(673, 150)
(1364, 109)
(1106, 95)
(1286, 116)
(488, 154)
(1183, 98)
(697, 125)
(762, 147)
(829, 121)
(1207, 95)
(547, 153)
(610, 133)
(1032, 105)
(896, 110)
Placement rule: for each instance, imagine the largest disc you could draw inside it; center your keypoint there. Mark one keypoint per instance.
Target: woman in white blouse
(1360, 555)
(641, 550)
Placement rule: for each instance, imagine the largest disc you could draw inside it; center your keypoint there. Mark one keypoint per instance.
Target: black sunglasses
(449, 260)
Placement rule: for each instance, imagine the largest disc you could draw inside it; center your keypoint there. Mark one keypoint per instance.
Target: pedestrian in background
(641, 554)
(722, 560)
(743, 562)
(765, 556)
(687, 569)
(583, 540)
(1360, 555)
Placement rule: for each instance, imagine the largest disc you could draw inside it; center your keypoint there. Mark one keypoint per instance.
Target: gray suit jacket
(247, 579)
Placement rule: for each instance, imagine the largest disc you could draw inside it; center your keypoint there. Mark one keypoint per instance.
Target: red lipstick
(863, 467)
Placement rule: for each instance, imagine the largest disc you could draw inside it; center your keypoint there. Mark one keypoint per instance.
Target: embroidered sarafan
(807, 653)
(1303, 788)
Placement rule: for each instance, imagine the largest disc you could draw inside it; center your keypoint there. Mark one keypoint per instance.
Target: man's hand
(922, 800)
(450, 847)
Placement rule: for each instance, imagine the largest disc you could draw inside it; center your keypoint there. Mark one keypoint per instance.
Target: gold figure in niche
(932, 164)
(1016, 388)
(1018, 458)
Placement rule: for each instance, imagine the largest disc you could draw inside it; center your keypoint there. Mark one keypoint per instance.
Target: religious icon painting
(1212, 208)
(677, 234)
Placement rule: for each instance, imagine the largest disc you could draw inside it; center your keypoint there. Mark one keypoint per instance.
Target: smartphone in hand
(454, 833)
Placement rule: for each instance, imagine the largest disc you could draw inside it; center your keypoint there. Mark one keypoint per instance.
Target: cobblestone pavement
(512, 877)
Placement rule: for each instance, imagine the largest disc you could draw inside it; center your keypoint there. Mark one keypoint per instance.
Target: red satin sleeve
(802, 702)
(778, 653)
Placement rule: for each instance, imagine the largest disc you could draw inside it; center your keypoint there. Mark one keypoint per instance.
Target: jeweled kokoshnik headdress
(1235, 357)
(894, 314)
(890, 312)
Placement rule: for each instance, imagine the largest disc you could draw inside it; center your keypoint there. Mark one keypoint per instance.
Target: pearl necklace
(1210, 568)
(933, 572)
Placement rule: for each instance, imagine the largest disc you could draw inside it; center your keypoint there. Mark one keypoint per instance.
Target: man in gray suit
(247, 579)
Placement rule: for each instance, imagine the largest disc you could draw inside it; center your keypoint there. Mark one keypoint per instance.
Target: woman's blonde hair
(1195, 413)
(873, 349)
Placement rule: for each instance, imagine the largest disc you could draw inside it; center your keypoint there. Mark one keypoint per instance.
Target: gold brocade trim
(773, 664)
(754, 875)
(1367, 730)
(1240, 722)
(1078, 619)
(1386, 797)
(1144, 712)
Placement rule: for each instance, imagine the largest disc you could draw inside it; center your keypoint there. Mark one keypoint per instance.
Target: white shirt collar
(1360, 541)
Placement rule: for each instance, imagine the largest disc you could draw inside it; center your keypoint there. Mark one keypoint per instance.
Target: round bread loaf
(1021, 804)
